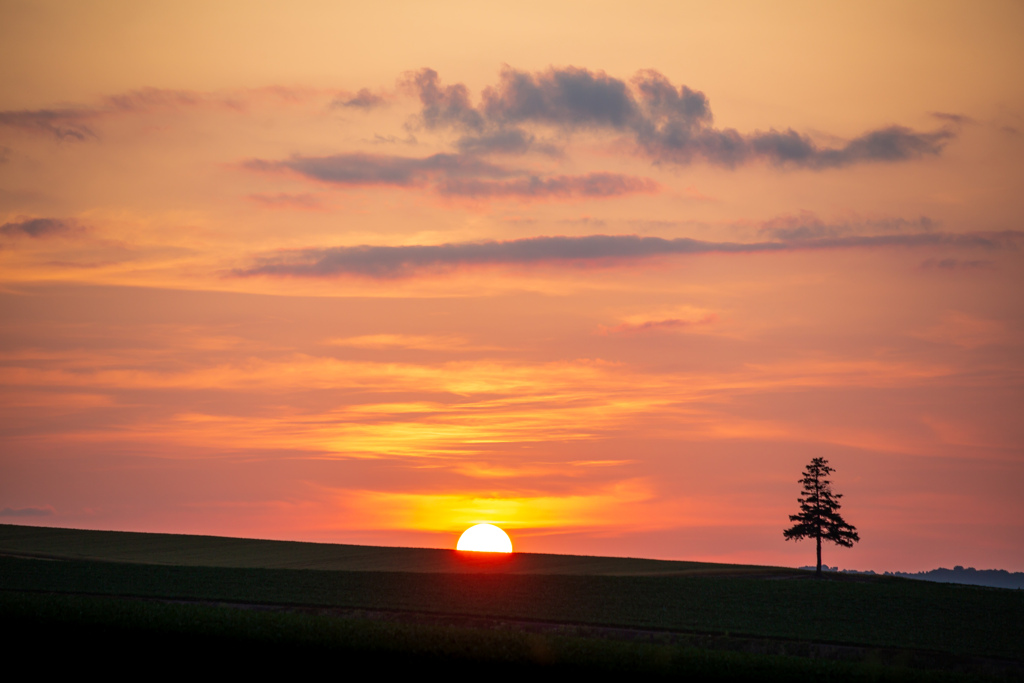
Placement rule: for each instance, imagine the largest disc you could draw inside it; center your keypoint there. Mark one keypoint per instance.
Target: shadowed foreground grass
(895, 613)
(106, 600)
(120, 636)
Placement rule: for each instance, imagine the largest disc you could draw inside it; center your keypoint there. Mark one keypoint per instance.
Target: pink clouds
(667, 325)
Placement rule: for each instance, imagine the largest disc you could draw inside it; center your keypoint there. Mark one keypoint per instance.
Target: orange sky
(608, 278)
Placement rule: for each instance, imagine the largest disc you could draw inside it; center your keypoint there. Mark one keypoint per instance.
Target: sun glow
(484, 538)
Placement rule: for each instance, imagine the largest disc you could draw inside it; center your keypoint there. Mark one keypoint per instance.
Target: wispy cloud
(145, 99)
(670, 324)
(399, 261)
(27, 512)
(505, 141)
(73, 123)
(958, 119)
(77, 123)
(590, 185)
(679, 320)
(62, 124)
(453, 174)
(380, 261)
(364, 99)
(957, 264)
(381, 169)
(806, 225)
(36, 228)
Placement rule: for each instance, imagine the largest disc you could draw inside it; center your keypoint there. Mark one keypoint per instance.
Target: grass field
(673, 617)
(215, 551)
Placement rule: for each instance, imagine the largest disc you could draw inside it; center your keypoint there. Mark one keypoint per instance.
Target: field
(542, 613)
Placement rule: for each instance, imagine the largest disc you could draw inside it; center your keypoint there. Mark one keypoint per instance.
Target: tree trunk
(818, 573)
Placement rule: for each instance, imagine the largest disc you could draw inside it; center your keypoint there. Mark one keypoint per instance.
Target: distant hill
(215, 551)
(994, 578)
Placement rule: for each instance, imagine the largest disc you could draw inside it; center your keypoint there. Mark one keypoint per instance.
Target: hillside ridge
(225, 551)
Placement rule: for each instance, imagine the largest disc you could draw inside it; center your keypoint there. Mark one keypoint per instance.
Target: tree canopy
(819, 516)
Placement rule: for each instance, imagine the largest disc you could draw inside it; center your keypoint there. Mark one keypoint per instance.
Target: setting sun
(485, 538)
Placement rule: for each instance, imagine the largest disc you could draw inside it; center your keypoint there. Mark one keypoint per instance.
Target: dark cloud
(379, 169)
(1009, 239)
(364, 99)
(789, 148)
(923, 223)
(958, 119)
(72, 123)
(391, 262)
(27, 512)
(35, 228)
(676, 125)
(5, 154)
(379, 139)
(454, 175)
(63, 124)
(396, 261)
(668, 325)
(561, 97)
(668, 123)
(806, 226)
(377, 261)
(957, 264)
(665, 106)
(590, 185)
(506, 141)
(895, 143)
(149, 98)
(443, 106)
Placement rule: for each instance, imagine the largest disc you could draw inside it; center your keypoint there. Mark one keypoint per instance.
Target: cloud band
(392, 262)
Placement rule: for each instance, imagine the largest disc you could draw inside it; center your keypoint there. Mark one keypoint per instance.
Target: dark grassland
(730, 625)
(215, 551)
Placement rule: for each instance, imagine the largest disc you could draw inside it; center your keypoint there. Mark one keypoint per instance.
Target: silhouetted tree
(819, 511)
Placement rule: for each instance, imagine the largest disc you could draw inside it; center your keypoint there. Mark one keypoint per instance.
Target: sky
(606, 276)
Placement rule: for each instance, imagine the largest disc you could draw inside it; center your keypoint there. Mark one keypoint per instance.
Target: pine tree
(819, 511)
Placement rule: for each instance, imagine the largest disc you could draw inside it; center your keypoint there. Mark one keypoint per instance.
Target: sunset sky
(605, 274)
